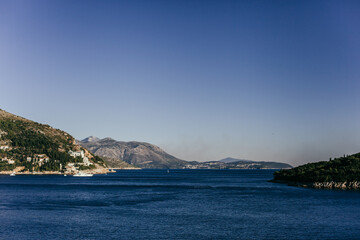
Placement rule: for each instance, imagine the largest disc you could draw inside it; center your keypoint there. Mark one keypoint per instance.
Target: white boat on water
(12, 174)
(82, 174)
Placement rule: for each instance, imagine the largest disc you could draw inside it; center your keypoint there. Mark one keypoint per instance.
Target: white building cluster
(81, 154)
(2, 133)
(4, 147)
(8, 160)
(39, 159)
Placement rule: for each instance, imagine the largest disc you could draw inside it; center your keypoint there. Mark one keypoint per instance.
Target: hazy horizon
(204, 80)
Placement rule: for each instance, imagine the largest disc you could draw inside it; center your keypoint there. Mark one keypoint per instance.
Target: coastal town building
(86, 161)
(70, 167)
(2, 133)
(41, 158)
(81, 154)
(77, 154)
(8, 160)
(4, 147)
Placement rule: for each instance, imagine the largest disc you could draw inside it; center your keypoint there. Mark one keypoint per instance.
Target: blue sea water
(181, 204)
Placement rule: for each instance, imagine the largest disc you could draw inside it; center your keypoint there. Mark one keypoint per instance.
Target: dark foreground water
(182, 204)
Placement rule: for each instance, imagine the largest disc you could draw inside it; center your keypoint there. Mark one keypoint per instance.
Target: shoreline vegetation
(339, 173)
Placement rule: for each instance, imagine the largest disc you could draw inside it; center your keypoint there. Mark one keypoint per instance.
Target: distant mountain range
(233, 163)
(138, 154)
(120, 154)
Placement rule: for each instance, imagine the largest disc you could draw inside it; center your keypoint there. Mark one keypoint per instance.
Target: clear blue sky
(260, 80)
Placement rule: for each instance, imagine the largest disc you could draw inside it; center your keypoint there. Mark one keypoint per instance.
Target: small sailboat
(168, 171)
(12, 174)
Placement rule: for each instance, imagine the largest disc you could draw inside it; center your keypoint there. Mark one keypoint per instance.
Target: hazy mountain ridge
(91, 139)
(140, 154)
(230, 160)
(239, 165)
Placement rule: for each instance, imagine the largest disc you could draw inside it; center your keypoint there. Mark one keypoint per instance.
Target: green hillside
(343, 169)
(39, 147)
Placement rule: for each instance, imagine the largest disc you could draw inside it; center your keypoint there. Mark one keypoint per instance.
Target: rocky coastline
(20, 171)
(350, 185)
(353, 185)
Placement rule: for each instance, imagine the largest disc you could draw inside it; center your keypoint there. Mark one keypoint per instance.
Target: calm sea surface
(182, 204)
